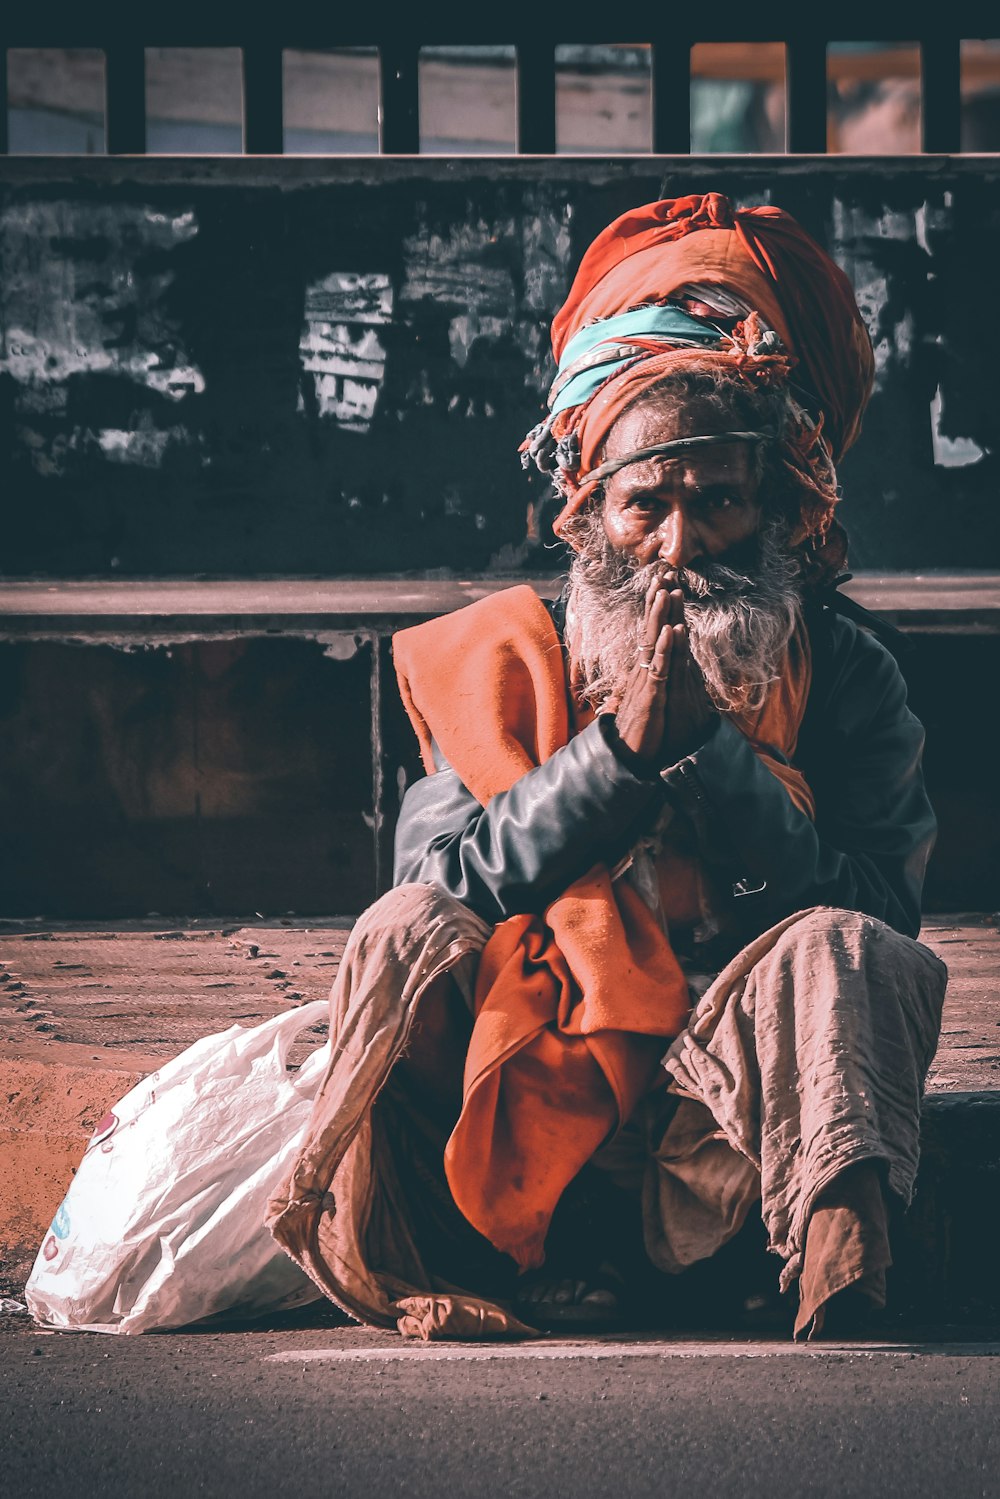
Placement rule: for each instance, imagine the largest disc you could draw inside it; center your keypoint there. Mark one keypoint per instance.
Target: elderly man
(650, 959)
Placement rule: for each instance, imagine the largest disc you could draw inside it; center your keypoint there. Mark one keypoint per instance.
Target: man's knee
(418, 909)
(830, 943)
(842, 919)
(854, 932)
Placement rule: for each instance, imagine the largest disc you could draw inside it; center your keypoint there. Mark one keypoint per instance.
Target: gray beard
(739, 623)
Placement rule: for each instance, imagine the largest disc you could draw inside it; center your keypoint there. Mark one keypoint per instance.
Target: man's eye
(720, 501)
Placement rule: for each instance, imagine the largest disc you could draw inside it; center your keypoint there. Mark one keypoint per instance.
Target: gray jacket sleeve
(860, 751)
(583, 806)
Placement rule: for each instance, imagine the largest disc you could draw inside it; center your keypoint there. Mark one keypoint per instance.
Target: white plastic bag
(164, 1222)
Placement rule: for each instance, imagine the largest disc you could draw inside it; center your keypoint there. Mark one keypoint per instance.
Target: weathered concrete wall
(219, 776)
(325, 367)
(224, 777)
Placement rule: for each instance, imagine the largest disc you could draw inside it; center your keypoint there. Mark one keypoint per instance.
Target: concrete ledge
(168, 610)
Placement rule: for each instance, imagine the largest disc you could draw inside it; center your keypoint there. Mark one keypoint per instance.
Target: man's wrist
(642, 768)
(693, 742)
(671, 762)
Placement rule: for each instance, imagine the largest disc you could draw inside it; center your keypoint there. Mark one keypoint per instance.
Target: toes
(599, 1298)
(568, 1293)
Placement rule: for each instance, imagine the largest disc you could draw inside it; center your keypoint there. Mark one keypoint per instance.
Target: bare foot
(550, 1299)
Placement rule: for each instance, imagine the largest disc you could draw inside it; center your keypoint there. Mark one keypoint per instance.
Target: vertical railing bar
(805, 96)
(535, 95)
(4, 118)
(263, 104)
(399, 99)
(670, 83)
(941, 94)
(125, 99)
(378, 769)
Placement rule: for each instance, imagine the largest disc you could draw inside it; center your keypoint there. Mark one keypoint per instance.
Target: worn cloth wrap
(573, 1008)
(820, 1032)
(764, 257)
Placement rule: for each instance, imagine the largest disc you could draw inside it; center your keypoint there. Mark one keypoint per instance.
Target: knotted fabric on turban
(770, 264)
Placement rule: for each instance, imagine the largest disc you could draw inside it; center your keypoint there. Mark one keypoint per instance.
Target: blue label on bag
(60, 1223)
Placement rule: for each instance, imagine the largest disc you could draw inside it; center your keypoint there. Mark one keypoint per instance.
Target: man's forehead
(650, 423)
(725, 463)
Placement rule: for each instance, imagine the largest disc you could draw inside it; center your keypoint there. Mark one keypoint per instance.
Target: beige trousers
(806, 1055)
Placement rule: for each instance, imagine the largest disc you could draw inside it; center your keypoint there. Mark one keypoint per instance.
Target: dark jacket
(859, 749)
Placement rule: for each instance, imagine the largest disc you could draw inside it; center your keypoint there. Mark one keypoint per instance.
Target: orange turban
(760, 256)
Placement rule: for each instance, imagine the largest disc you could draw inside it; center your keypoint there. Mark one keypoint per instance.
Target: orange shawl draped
(573, 1009)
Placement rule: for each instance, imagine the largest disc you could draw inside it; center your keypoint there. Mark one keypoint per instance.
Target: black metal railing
(940, 90)
(398, 105)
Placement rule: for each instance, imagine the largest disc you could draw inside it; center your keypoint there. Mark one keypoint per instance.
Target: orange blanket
(573, 1010)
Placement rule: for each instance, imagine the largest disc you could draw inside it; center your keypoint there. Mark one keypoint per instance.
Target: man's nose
(678, 544)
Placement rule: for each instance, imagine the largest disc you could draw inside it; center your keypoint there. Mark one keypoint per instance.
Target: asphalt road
(328, 1411)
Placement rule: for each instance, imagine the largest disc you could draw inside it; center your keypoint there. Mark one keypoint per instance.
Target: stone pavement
(86, 1012)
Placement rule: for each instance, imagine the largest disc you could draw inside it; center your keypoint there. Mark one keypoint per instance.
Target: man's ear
(579, 528)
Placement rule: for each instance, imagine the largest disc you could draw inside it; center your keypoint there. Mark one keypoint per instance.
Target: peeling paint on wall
(858, 235)
(501, 277)
(464, 269)
(58, 310)
(951, 452)
(144, 445)
(547, 251)
(340, 348)
(82, 292)
(341, 646)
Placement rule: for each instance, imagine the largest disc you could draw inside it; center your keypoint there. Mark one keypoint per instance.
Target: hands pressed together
(664, 711)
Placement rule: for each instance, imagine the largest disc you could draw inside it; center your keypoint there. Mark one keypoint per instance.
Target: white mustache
(739, 622)
(713, 580)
